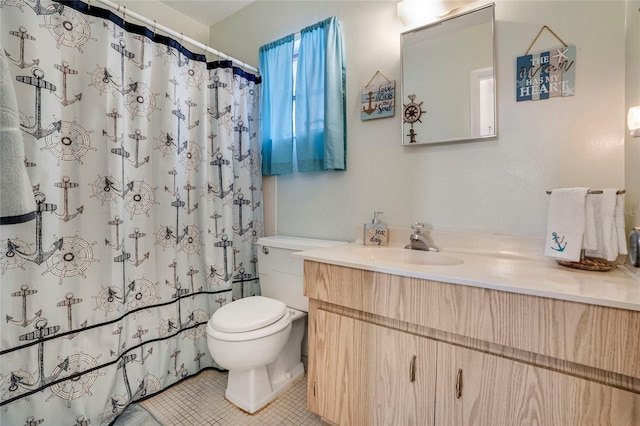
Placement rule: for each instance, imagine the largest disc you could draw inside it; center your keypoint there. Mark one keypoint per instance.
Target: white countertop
(506, 270)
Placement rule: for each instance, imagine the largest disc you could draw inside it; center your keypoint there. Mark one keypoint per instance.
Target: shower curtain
(146, 175)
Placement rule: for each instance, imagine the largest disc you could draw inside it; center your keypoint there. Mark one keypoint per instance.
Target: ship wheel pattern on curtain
(146, 172)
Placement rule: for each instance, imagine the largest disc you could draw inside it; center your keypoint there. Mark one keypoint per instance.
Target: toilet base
(250, 390)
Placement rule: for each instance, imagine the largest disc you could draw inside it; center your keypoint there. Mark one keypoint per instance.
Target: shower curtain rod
(178, 36)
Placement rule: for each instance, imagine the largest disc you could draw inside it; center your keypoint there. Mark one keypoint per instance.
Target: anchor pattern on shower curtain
(146, 174)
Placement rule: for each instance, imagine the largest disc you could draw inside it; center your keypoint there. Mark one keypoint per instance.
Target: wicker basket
(588, 264)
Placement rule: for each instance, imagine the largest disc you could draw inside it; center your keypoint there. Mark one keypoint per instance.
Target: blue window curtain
(276, 68)
(320, 102)
(321, 141)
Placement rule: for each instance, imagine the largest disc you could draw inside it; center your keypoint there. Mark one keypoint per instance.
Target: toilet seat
(248, 314)
(249, 318)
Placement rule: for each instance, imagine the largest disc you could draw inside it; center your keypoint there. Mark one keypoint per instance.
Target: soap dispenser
(634, 247)
(375, 233)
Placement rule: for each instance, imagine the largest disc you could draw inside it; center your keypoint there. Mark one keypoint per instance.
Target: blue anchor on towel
(559, 242)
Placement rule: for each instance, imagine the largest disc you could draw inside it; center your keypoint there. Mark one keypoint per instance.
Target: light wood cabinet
(483, 389)
(365, 374)
(483, 357)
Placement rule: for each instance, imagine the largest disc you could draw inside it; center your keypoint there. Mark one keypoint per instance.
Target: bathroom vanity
(496, 339)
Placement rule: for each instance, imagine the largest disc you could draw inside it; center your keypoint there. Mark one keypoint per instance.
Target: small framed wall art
(547, 74)
(378, 97)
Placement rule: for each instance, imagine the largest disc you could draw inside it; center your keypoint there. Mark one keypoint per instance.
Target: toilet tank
(281, 276)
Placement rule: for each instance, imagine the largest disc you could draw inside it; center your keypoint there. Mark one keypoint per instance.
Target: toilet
(259, 339)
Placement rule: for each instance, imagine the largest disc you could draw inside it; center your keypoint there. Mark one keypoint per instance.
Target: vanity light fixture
(421, 12)
(633, 121)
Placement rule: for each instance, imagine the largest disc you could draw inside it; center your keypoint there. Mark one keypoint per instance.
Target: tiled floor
(200, 400)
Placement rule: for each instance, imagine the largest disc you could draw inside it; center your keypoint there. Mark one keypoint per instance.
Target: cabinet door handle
(459, 384)
(412, 369)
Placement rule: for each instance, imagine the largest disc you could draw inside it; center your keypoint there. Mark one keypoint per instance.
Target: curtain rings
(124, 15)
(88, 4)
(155, 25)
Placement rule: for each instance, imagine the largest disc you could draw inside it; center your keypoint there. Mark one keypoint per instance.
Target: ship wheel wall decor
(411, 113)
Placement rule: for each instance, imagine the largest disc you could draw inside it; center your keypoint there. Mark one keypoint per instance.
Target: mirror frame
(405, 97)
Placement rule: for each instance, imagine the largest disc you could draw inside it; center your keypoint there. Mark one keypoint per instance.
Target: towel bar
(620, 191)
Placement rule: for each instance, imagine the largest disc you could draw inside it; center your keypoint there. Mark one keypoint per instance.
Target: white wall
(495, 186)
(169, 17)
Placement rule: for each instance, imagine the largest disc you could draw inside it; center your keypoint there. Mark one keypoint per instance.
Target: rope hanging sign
(546, 74)
(378, 97)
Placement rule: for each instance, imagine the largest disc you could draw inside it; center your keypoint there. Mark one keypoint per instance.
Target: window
(314, 82)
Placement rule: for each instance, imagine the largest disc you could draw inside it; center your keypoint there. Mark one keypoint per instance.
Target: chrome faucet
(418, 241)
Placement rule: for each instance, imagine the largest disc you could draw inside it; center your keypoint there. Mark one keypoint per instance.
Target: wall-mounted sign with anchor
(378, 97)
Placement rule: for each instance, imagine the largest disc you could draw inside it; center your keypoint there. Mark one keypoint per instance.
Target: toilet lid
(248, 314)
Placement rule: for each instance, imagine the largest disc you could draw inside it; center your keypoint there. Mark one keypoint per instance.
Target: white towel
(606, 234)
(620, 229)
(18, 204)
(566, 223)
(590, 241)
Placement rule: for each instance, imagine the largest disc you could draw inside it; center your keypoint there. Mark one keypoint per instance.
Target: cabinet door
(482, 389)
(369, 375)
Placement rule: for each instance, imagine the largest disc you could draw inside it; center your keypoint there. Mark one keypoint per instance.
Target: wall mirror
(448, 79)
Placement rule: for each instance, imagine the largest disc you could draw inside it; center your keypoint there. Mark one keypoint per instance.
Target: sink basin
(406, 256)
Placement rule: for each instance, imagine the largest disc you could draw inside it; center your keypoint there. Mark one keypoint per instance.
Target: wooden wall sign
(378, 97)
(546, 74)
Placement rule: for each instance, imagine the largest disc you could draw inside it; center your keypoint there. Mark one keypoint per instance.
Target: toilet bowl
(259, 338)
(238, 341)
